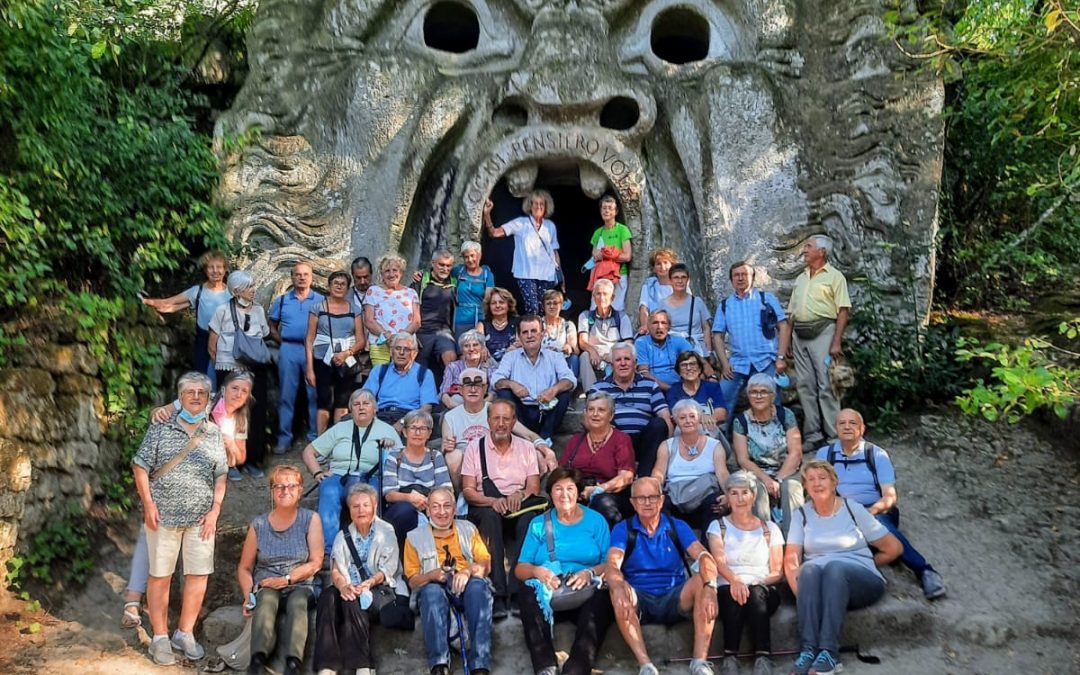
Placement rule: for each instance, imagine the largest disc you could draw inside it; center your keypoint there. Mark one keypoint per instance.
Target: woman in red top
(605, 457)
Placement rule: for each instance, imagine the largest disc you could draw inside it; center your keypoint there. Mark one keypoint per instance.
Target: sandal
(131, 618)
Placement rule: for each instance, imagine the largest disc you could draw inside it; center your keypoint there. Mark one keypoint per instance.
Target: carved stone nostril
(511, 114)
(620, 114)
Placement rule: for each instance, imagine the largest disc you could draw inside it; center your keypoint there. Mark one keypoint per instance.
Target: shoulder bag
(564, 597)
(246, 349)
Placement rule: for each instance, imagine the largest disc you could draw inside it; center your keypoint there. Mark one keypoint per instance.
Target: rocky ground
(994, 508)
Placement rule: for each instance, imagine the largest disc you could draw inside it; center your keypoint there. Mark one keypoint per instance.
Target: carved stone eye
(451, 27)
(680, 35)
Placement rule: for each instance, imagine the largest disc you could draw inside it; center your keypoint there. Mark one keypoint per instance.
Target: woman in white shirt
(692, 466)
(749, 555)
(536, 247)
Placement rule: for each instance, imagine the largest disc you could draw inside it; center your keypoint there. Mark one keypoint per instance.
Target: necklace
(495, 324)
(595, 446)
(693, 450)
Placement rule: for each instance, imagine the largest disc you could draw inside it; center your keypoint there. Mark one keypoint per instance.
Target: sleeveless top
(334, 326)
(499, 340)
(278, 553)
(680, 468)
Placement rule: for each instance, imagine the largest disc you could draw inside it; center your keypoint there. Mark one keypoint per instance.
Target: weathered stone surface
(58, 359)
(26, 382)
(726, 130)
(15, 466)
(22, 417)
(82, 416)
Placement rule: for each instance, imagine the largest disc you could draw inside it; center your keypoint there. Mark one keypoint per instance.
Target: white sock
(161, 637)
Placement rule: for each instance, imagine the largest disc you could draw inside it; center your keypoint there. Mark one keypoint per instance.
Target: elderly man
(288, 325)
(818, 307)
(657, 351)
(538, 381)
(437, 291)
(640, 408)
(499, 476)
(446, 563)
(598, 330)
(469, 421)
(757, 331)
(180, 471)
(402, 385)
(866, 475)
(361, 281)
(651, 581)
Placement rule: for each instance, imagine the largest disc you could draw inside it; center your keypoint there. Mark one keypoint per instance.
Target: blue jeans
(826, 593)
(331, 500)
(292, 371)
(733, 387)
(910, 557)
(435, 617)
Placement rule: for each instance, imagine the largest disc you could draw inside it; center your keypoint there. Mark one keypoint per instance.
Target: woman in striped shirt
(410, 474)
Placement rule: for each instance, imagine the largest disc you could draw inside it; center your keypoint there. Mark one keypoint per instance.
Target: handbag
(393, 609)
(564, 597)
(246, 349)
(689, 495)
(530, 503)
(237, 654)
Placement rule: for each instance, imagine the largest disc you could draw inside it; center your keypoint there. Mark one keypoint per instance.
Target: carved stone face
(725, 130)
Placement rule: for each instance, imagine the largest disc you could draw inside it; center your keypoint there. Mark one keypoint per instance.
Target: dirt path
(994, 509)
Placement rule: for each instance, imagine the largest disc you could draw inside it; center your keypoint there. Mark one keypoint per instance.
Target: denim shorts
(662, 609)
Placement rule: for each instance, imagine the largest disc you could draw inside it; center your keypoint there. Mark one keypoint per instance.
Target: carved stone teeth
(593, 181)
(521, 178)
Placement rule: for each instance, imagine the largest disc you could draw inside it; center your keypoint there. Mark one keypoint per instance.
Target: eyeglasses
(759, 392)
(417, 427)
(285, 487)
(472, 382)
(689, 365)
(402, 350)
(646, 499)
(195, 393)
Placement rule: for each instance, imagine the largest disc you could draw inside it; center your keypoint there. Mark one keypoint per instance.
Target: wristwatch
(288, 580)
(712, 584)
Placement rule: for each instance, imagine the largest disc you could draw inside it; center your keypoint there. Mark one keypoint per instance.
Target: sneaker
(254, 471)
(729, 666)
(648, 669)
(499, 610)
(234, 474)
(701, 667)
(161, 652)
(933, 586)
(515, 608)
(825, 664)
(803, 662)
(763, 665)
(293, 666)
(441, 669)
(186, 643)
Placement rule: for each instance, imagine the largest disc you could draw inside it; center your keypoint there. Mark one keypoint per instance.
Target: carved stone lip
(599, 155)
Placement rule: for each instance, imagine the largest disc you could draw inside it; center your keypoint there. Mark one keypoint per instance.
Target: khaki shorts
(164, 547)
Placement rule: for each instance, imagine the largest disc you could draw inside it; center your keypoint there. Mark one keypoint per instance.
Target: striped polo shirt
(634, 407)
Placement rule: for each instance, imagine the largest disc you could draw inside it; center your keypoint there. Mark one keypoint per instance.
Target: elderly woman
(365, 583)
(656, 287)
(830, 567)
(749, 554)
(500, 321)
(536, 247)
(473, 355)
(243, 314)
(282, 553)
(334, 337)
(473, 280)
(559, 334)
(565, 546)
(204, 298)
(389, 308)
(605, 458)
(692, 466)
(598, 329)
(613, 238)
(179, 473)
(767, 443)
(709, 395)
(355, 450)
(410, 474)
(690, 317)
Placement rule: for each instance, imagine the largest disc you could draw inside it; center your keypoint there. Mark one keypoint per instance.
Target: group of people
(667, 505)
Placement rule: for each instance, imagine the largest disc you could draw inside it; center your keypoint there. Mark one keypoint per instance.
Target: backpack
(781, 412)
(632, 534)
(615, 317)
(764, 529)
(421, 372)
(769, 320)
(869, 450)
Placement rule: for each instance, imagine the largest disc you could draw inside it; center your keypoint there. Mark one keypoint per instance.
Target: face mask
(192, 419)
(243, 303)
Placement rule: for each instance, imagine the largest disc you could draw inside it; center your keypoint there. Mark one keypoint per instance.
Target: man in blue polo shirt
(649, 579)
(402, 385)
(641, 411)
(657, 351)
(288, 325)
(758, 334)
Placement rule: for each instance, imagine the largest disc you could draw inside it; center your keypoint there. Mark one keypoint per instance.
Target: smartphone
(250, 604)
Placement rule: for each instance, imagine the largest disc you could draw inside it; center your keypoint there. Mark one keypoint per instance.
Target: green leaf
(98, 50)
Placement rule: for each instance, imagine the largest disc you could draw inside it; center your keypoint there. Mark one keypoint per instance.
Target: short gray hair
(362, 489)
(406, 336)
(761, 380)
(363, 393)
(441, 253)
(471, 245)
(741, 479)
(601, 396)
(391, 258)
(418, 414)
(192, 379)
(240, 280)
(688, 404)
(623, 346)
(658, 312)
(472, 335)
(822, 242)
(603, 283)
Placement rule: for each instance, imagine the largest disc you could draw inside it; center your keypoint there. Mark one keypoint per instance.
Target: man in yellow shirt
(446, 557)
(818, 308)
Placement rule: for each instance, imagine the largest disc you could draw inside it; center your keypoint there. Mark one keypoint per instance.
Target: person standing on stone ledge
(437, 291)
(537, 266)
(819, 308)
(389, 308)
(288, 326)
(616, 235)
(361, 282)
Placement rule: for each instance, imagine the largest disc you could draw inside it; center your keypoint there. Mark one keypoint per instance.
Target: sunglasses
(472, 382)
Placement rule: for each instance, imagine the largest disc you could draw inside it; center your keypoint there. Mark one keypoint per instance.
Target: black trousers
(646, 442)
(496, 530)
(342, 634)
(756, 613)
(613, 506)
(592, 620)
(256, 433)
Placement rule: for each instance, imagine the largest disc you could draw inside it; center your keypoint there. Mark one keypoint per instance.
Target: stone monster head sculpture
(389, 123)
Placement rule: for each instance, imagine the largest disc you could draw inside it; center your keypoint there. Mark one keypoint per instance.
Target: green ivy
(60, 551)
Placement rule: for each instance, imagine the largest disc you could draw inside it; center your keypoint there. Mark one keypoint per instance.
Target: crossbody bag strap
(569, 461)
(357, 448)
(690, 321)
(180, 456)
(354, 553)
(549, 535)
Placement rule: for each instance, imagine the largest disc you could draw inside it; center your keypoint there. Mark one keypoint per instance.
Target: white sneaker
(186, 643)
(162, 652)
